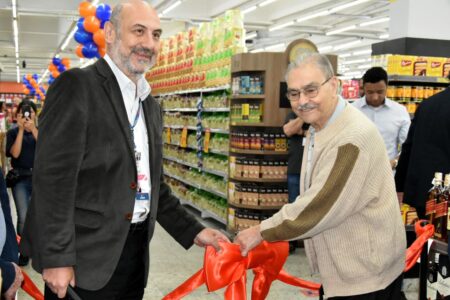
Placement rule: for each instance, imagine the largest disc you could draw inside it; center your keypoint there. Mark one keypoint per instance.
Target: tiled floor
(171, 265)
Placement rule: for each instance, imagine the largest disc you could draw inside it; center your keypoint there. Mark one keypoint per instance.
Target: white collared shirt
(131, 99)
(391, 119)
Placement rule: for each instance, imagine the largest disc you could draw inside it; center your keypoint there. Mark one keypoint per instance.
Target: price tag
(206, 140)
(168, 136)
(183, 139)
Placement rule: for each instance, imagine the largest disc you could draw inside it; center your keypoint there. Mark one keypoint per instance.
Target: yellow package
(434, 66)
(420, 66)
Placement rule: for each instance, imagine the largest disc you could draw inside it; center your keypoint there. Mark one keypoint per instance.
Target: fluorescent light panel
(18, 74)
(384, 36)
(171, 7)
(312, 16)
(257, 50)
(249, 9)
(355, 61)
(325, 48)
(343, 55)
(340, 30)
(267, 2)
(347, 5)
(347, 45)
(276, 46)
(251, 35)
(372, 22)
(362, 52)
(281, 26)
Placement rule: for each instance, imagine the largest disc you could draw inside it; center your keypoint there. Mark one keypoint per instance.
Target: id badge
(142, 196)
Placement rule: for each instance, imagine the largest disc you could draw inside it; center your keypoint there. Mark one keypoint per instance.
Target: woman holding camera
(20, 146)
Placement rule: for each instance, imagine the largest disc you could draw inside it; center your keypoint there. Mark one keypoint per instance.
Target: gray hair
(115, 18)
(319, 60)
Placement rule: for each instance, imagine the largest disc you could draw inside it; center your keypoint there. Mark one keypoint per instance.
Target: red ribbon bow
(423, 233)
(228, 268)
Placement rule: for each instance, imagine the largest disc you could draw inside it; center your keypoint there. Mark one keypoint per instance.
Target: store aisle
(171, 265)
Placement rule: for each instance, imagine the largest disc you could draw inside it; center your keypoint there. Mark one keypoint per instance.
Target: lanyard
(136, 119)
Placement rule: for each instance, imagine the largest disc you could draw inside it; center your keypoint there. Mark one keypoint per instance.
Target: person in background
(347, 212)
(294, 128)
(9, 252)
(3, 116)
(20, 147)
(391, 119)
(98, 184)
(425, 151)
(361, 88)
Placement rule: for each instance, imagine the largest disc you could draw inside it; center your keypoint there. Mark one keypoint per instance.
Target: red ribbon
(423, 233)
(228, 269)
(30, 288)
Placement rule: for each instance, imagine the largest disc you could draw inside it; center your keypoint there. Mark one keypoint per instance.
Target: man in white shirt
(392, 119)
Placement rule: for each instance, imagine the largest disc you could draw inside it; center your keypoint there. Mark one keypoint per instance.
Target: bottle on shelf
(433, 193)
(441, 211)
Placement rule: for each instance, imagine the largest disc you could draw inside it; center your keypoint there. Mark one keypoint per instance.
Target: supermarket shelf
(204, 213)
(260, 124)
(180, 127)
(219, 109)
(203, 90)
(260, 152)
(418, 79)
(214, 172)
(213, 130)
(217, 193)
(180, 110)
(182, 162)
(226, 153)
(255, 207)
(259, 179)
(248, 96)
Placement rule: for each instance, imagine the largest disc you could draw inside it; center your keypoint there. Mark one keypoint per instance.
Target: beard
(137, 67)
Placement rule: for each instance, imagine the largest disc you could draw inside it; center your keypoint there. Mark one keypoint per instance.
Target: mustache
(143, 51)
(307, 106)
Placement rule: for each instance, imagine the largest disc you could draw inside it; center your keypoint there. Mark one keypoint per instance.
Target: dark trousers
(391, 292)
(293, 186)
(128, 280)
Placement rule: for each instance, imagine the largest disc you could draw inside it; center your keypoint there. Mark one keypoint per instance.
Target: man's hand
(10, 294)
(210, 237)
(57, 279)
(29, 125)
(248, 239)
(20, 121)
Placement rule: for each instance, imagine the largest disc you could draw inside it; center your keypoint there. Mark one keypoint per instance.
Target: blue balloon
(35, 76)
(103, 12)
(24, 78)
(42, 89)
(89, 50)
(38, 97)
(61, 68)
(28, 85)
(56, 61)
(80, 23)
(83, 37)
(102, 24)
(50, 81)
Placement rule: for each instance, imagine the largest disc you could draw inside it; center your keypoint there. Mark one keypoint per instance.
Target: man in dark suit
(98, 185)
(425, 151)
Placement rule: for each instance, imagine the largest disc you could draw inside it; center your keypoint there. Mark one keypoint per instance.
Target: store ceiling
(45, 24)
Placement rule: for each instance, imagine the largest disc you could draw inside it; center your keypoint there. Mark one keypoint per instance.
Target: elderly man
(347, 211)
(98, 185)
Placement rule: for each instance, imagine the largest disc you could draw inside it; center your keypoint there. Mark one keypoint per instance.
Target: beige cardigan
(349, 216)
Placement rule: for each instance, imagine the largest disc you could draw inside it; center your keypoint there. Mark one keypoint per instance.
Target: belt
(139, 226)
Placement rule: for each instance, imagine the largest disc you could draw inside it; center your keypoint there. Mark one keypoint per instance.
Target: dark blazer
(10, 251)
(425, 151)
(84, 179)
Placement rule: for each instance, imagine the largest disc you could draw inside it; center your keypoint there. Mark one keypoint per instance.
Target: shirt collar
(337, 111)
(143, 88)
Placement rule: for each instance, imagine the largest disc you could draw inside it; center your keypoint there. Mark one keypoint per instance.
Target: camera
(26, 110)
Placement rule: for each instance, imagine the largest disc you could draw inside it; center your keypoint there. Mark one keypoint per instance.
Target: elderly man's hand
(10, 294)
(248, 239)
(210, 237)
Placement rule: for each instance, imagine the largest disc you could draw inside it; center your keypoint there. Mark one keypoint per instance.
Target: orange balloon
(29, 77)
(91, 24)
(26, 91)
(102, 51)
(86, 9)
(66, 62)
(99, 38)
(55, 74)
(79, 51)
(52, 67)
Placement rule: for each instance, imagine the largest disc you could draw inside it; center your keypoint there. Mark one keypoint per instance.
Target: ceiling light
(325, 48)
(372, 22)
(315, 15)
(14, 9)
(267, 2)
(340, 30)
(362, 52)
(43, 76)
(257, 50)
(355, 61)
(18, 74)
(171, 7)
(343, 55)
(69, 38)
(94, 2)
(347, 5)
(276, 46)
(384, 36)
(17, 62)
(368, 66)
(251, 35)
(277, 27)
(249, 9)
(347, 45)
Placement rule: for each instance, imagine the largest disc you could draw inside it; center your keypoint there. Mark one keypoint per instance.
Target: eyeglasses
(309, 92)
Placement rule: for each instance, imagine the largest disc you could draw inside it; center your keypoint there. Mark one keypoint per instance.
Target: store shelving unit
(255, 110)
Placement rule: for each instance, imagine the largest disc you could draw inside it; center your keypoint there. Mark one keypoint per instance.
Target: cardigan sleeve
(333, 195)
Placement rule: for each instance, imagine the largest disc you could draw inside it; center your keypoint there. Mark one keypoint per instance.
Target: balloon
(26, 91)
(101, 52)
(91, 24)
(56, 61)
(103, 12)
(24, 77)
(29, 77)
(35, 76)
(38, 96)
(80, 23)
(50, 81)
(83, 37)
(51, 67)
(89, 50)
(86, 9)
(42, 89)
(99, 38)
(66, 62)
(55, 74)
(79, 51)
(61, 68)
(102, 24)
